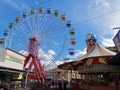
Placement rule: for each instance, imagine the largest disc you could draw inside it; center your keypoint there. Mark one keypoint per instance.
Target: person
(53, 83)
(6, 87)
(65, 85)
(60, 85)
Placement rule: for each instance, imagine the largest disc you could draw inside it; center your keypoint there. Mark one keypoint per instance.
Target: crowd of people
(62, 85)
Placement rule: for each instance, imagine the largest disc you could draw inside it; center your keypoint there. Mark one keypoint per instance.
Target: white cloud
(108, 14)
(12, 3)
(51, 52)
(103, 2)
(80, 53)
(50, 65)
(46, 56)
(77, 55)
(107, 4)
(107, 42)
(23, 52)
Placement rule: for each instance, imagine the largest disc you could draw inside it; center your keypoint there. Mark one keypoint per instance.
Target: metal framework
(35, 61)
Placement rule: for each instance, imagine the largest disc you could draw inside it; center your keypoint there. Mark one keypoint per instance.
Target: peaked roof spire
(90, 40)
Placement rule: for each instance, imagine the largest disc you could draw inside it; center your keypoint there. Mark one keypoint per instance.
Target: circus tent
(97, 55)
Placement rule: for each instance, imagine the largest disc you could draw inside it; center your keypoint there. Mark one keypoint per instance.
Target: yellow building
(11, 65)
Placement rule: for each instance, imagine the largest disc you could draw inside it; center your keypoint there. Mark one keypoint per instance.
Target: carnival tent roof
(97, 51)
(97, 54)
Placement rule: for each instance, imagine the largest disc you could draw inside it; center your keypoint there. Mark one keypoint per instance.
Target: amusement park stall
(95, 70)
(96, 73)
(11, 66)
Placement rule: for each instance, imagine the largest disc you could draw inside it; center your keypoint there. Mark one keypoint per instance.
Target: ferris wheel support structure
(33, 55)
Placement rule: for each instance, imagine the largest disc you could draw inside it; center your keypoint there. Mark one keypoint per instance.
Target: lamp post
(26, 78)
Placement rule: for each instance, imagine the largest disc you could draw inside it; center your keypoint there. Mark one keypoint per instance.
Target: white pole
(26, 79)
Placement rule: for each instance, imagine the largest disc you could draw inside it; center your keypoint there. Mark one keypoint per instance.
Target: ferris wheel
(41, 33)
(50, 31)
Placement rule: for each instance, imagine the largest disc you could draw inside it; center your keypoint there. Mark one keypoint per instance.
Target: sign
(99, 68)
(116, 40)
(17, 76)
(11, 59)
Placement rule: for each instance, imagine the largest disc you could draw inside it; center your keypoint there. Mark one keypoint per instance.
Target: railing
(99, 68)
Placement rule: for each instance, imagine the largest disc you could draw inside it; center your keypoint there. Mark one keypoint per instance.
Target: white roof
(97, 51)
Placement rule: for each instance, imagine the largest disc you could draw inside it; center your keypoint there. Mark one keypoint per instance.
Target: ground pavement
(40, 89)
(53, 89)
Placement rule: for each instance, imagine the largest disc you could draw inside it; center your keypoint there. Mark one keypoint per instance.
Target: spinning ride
(40, 35)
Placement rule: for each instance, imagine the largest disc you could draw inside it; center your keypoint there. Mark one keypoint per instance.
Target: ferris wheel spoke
(44, 23)
(27, 24)
(38, 24)
(33, 23)
(22, 28)
(52, 27)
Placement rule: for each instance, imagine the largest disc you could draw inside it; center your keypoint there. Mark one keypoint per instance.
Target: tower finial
(90, 40)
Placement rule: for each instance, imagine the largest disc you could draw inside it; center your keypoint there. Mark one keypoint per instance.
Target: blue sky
(96, 16)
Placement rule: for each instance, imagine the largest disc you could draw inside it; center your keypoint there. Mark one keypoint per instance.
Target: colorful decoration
(63, 18)
(6, 32)
(56, 13)
(17, 19)
(32, 11)
(71, 51)
(24, 14)
(68, 23)
(73, 41)
(11, 25)
(2, 41)
(41, 10)
(72, 32)
(49, 11)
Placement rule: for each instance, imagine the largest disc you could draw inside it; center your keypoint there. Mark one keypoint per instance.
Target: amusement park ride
(37, 30)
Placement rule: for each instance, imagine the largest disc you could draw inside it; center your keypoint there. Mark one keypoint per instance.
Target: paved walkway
(53, 89)
(41, 89)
